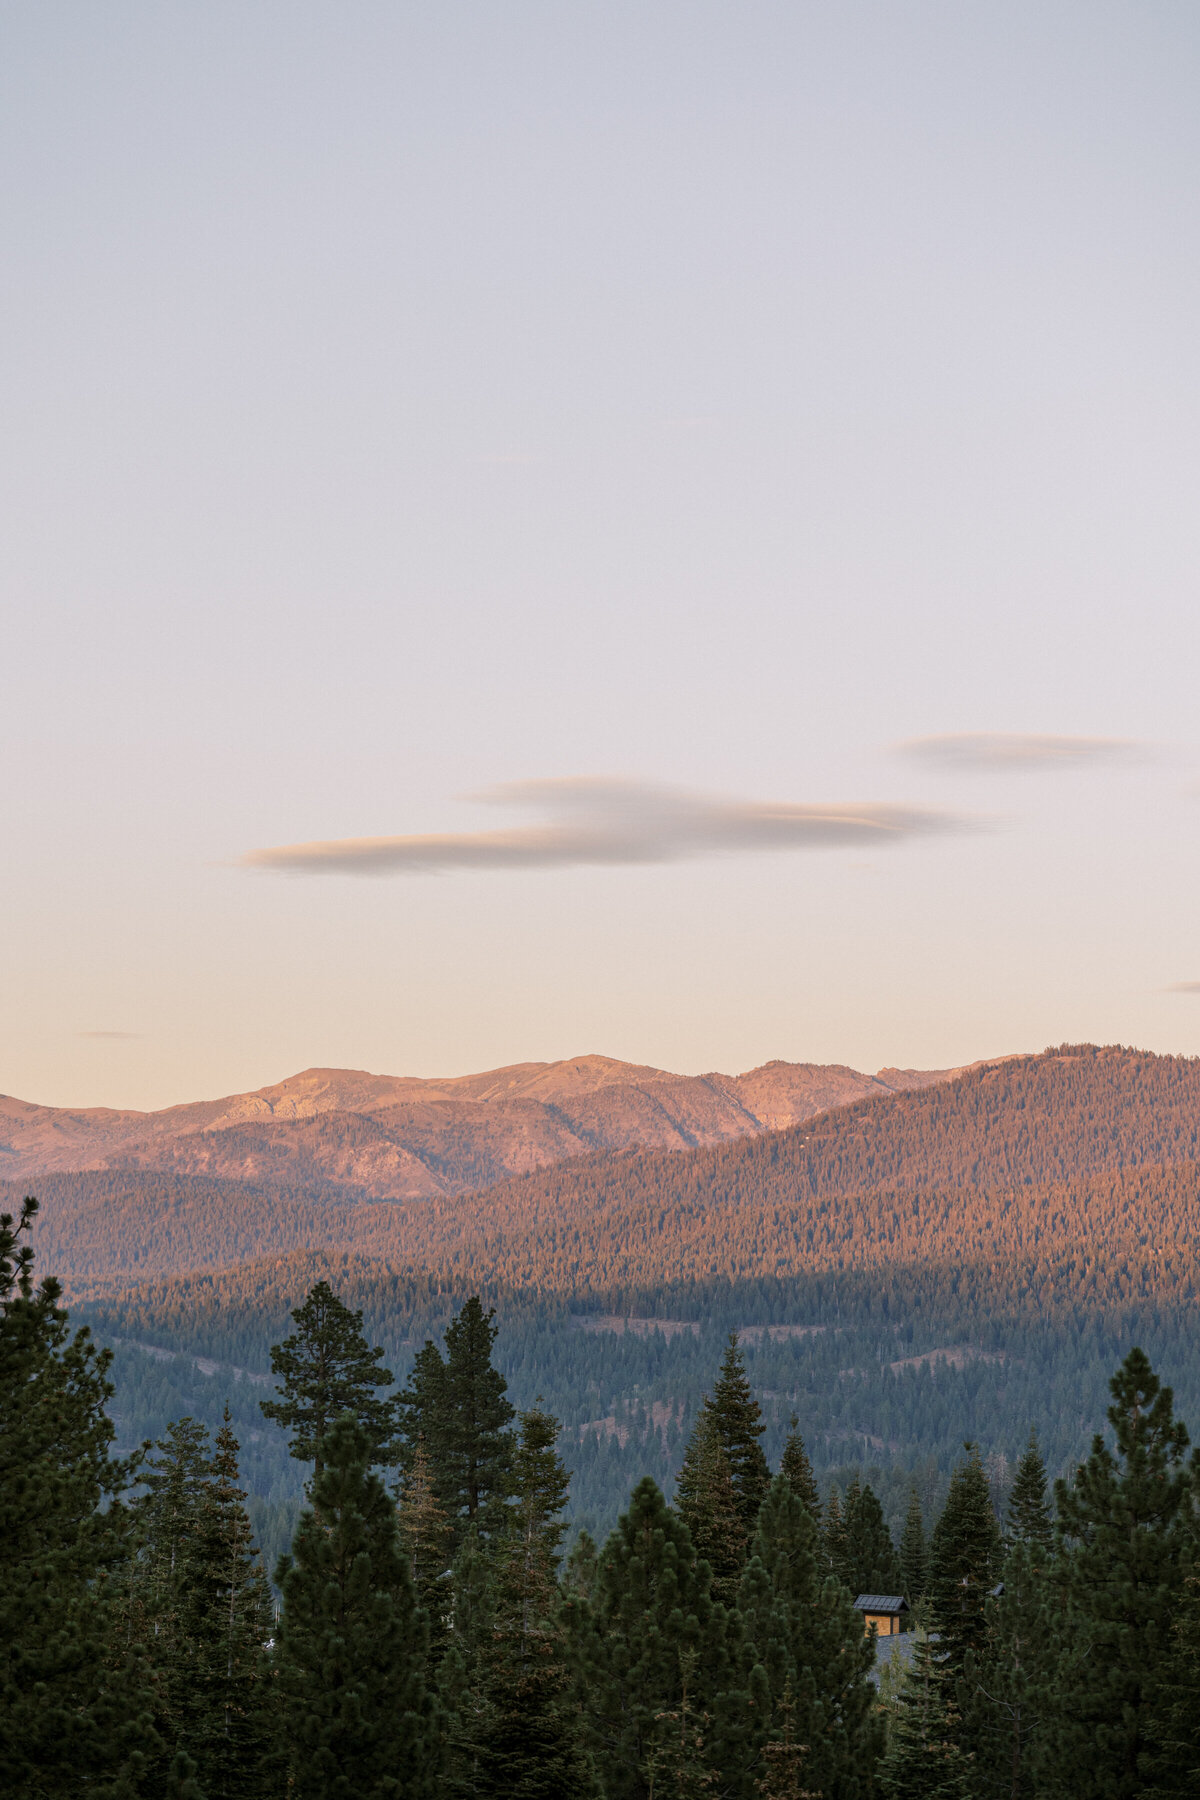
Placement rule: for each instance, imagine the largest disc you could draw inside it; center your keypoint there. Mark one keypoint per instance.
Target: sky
(667, 530)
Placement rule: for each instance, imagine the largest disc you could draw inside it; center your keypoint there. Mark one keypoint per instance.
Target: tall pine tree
(530, 1748)
(428, 1540)
(75, 1712)
(707, 1502)
(797, 1470)
(1028, 1519)
(739, 1425)
(324, 1370)
(459, 1408)
(871, 1560)
(651, 1621)
(914, 1552)
(1007, 1683)
(964, 1562)
(924, 1759)
(352, 1644)
(1125, 1521)
(804, 1641)
(226, 1614)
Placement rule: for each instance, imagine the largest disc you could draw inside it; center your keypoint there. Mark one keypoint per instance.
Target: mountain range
(403, 1137)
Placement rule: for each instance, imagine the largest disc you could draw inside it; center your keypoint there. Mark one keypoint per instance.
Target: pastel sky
(662, 529)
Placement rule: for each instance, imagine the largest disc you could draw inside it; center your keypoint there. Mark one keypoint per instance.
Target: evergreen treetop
(352, 1644)
(324, 1370)
(1125, 1523)
(459, 1407)
(964, 1561)
(650, 1614)
(75, 1711)
(804, 1640)
(914, 1552)
(1029, 1520)
(707, 1502)
(797, 1470)
(738, 1419)
(871, 1560)
(924, 1759)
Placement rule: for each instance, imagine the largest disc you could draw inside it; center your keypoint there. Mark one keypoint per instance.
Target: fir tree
(651, 1608)
(833, 1540)
(461, 1410)
(964, 1561)
(914, 1552)
(529, 1749)
(1125, 1520)
(871, 1561)
(797, 1470)
(352, 1644)
(324, 1370)
(226, 1613)
(784, 1758)
(924, 1760)
(427, 1538)
(1172, 1761)
(803, 1639)
(1028, 1520)
(707, 1502)
(176, 1475)
(75, 1714)
(676, 1765)
(738, 1419)
(1006, 1685)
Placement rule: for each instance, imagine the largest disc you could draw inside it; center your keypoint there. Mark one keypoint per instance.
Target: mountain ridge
(414, 1137)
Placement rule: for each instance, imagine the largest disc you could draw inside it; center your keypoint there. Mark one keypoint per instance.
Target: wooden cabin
(888, 1613)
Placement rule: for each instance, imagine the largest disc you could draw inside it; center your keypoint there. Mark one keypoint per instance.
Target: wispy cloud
(592, 820)
(1183, 987)
(1018, 751)
(110, 1034)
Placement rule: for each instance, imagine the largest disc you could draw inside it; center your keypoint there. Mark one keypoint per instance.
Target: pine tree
(421, 1410)
(1125, 1521)
(924, 1760)
(428, 1541)
(833, 1540)
(176, 1476)
(785, 1758)
(914, 1552)
(871, 1560)
(676, 1765)
(530, 1747)
(75, 1713)
(460, 1408)
(651, 1608)
(226, 1613)
(1172, 1761)
(738, 1419)
(1029, 1520)
(803, 1639)
(1006, 1685)
(324, 1370)
(352, 1645)
(798, 1471)
(707, 1502)
(964, 1562)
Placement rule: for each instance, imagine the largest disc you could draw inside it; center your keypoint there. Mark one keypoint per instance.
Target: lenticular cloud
(598, 821)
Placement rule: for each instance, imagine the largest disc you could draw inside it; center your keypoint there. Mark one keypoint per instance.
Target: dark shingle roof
(883, 1603)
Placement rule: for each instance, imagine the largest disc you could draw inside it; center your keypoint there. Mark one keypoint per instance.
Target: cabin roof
(881, 1603)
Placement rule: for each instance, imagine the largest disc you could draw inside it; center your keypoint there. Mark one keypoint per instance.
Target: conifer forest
(435, 1626)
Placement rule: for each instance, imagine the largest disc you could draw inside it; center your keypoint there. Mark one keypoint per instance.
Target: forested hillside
(969, 1259)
